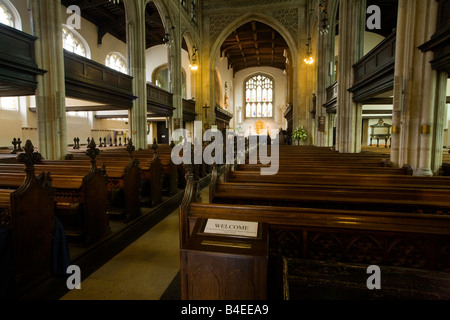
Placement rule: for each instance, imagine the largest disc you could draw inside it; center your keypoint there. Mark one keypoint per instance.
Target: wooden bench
(81, 197)
(153, 171)
(124, 180)
(407, 243)
(423, 200)
(335, 179)
(28, 211)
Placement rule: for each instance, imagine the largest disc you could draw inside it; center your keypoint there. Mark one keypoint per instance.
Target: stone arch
(272, 22)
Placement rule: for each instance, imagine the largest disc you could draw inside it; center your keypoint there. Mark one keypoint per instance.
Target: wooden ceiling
(254, 44)
(111, 18)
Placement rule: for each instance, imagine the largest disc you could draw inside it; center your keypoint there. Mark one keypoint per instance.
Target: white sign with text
(230, 227)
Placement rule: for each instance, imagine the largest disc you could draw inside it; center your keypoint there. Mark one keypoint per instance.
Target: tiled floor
(142, 271)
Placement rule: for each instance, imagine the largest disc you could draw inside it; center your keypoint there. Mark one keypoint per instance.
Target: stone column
(176, 75)
(50, 92)
(137, 116)
(351, 46)
(414, 87)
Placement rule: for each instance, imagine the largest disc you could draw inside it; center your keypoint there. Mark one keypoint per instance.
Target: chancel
(103, 145)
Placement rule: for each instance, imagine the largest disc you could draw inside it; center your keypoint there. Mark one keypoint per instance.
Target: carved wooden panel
(374, 73)
(92, 81)
(389, 249)
(219, 267)
(18, 69)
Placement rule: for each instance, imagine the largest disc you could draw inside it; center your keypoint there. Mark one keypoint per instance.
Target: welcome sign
(230, 227)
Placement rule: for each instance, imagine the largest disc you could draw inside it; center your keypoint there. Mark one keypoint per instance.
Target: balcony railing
(331, 103)
(374, 73)
(159, 101)
(18, 69)
(189, 110)
(92, 81)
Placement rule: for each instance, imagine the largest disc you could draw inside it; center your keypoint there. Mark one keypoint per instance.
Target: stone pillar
(440, 122)
(176, 76)
(137, 116)
(414, 87)
(351, 46)
(50, 92)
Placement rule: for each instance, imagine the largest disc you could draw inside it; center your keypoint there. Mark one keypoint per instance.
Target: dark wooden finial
(154, 146)
(19, 148)
(92, 151)
(29, 157)
(130, 148)
(14, 142)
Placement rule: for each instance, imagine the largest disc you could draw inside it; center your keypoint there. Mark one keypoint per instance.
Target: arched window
(5, 16)
(74, 43)
(116, 62)
(9, 15)
(9, 103)
(259, 97)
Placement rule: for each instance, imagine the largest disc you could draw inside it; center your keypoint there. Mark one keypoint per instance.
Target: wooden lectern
(225, 264)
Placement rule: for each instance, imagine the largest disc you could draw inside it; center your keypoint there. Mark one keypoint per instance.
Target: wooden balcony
(189, 110)
(440, 41)
(159, 101)
(331, 104)
(374, 73)
(18, 68)
(88, 80)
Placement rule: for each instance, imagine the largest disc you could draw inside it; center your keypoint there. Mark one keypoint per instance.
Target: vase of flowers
(299, 134)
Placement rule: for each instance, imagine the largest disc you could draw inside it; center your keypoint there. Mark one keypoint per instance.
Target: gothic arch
(272, 22)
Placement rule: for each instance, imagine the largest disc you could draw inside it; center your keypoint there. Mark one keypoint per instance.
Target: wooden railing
(90, 80)
(331, 104)
(374, 73)
(159, 101)
(18, 69)
(189, 110)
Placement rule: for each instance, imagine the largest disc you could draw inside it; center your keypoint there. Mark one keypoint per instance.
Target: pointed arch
(270, 21)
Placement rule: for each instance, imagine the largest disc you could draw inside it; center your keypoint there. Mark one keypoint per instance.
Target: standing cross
(206, 111)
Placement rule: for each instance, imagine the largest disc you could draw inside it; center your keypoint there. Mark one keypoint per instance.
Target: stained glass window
(258, 97)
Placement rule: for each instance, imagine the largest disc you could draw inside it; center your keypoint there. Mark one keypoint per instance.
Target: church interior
(349, 99)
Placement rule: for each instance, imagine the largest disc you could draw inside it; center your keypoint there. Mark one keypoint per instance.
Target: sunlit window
(72, 43)
(259, 97)
(116, 62)
(5, 16)
(79, 114)
(9, 103)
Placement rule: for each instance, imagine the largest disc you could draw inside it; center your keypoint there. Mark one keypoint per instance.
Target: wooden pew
(124, 180)
(81, 197)
(402, 244)
(151, 167)
(357, 197)
(335, 179)
(28, 211)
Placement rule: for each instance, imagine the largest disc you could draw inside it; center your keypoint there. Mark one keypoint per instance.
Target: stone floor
(142, 271)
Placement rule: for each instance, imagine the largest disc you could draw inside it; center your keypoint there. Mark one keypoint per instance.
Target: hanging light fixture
(309, 59)
(193, 65)
(115, 1)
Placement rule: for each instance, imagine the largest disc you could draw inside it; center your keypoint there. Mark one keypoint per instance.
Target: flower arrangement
(299, 134)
